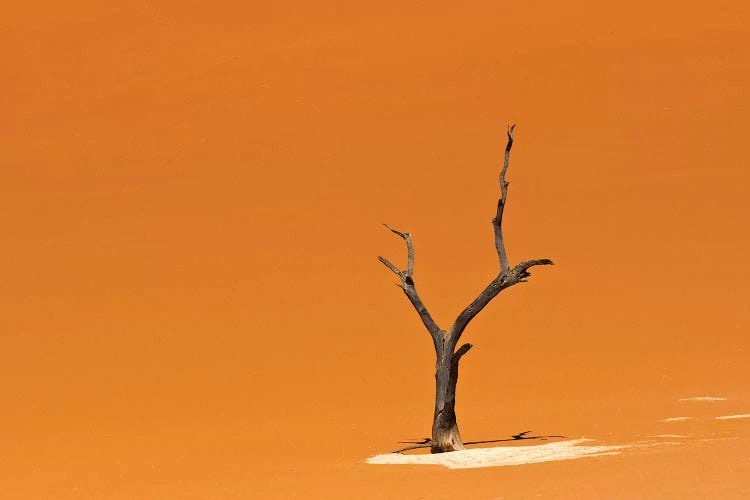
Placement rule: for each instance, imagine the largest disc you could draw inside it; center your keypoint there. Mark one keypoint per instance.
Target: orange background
(192, 198)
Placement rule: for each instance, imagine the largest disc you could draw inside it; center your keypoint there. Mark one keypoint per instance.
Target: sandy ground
(500, 456)
(193, 193)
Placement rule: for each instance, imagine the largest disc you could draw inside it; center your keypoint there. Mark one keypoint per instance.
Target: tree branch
(507, 277)
(409, 250)
(521, 271)
(497, 222)
(490, 292)
(460, 352)
(393, 268)
(407, 285)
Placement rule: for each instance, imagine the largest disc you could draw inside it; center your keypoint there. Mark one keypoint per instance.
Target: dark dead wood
(445, 434)
(507, 276)
(410, 290)
(393, 268)
(497, 222)
(460, 352)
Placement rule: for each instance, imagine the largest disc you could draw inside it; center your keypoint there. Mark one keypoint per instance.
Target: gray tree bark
(445, 434)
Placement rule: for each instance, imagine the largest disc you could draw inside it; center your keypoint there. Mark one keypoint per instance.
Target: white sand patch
(727, 417)
(502, 455)
(676, 419)
(704, 398)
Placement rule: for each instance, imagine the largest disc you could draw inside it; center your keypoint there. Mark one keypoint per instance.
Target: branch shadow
(427, 442)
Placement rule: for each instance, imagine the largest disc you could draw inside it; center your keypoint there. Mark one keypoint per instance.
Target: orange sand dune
(192, 199)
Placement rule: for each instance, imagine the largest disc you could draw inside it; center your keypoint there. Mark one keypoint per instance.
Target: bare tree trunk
(445, 434)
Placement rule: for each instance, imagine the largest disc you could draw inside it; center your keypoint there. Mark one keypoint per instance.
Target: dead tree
(445, 435)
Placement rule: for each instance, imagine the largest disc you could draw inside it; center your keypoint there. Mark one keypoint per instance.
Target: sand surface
(193, 192)
(499, 456)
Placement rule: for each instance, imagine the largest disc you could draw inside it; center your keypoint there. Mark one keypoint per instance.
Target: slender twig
(497, 222)
(390, 266)
(409, 250)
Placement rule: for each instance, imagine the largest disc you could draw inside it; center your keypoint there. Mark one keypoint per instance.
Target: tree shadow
(427, 442)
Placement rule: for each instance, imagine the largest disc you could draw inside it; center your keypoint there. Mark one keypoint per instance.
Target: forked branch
(507, 276)
(407, 285)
